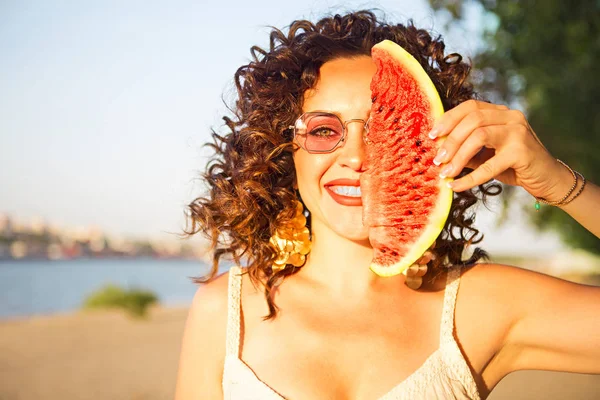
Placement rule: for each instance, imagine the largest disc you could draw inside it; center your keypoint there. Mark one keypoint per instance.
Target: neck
(341, 266)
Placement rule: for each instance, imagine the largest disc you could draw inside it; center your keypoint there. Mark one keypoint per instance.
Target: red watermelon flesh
(405, 203)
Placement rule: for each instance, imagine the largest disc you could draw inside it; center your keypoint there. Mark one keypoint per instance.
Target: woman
(331, 329)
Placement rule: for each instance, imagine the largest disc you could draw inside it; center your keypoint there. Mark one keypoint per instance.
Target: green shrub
(134, 301)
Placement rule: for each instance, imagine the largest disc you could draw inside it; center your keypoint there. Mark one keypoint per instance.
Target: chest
(325, 352)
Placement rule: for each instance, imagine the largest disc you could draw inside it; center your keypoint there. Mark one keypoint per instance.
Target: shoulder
(488, 293)
(490, 276)
(505, 291)
(210, 301)
(485, 308)
(510, 283)
(203, 345)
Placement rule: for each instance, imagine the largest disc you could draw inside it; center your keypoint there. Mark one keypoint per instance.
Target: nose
(352, 154)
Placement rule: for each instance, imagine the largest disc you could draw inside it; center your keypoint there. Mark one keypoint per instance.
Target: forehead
(343, 87)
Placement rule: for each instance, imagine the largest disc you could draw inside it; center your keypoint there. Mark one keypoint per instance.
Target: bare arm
(203, 345)
(556, 324)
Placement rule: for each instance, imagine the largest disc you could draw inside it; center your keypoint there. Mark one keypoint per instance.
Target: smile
(345, 191)
(350, 191)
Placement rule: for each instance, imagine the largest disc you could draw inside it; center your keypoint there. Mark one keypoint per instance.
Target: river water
(46, 287)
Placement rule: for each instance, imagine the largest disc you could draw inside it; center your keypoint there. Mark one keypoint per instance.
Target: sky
(104, 106)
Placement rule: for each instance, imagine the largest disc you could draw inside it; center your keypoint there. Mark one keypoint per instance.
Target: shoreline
(81, 311)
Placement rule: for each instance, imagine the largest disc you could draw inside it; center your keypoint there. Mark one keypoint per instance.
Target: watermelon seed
(415, 186)
(396, 120)
(409, 212)
(392, 109)
(394, 253)
(423, 150)
(380, 109)
(417, 159)
(421, 172)
(373, 99)
(383, 250)
(418, 142)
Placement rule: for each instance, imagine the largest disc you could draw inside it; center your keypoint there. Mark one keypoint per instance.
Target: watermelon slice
(405, 202)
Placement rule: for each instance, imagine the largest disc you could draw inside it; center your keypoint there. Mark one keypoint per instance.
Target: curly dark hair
(252, 174)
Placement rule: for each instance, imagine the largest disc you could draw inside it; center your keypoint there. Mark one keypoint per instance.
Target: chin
(344, 221)
(351, 228)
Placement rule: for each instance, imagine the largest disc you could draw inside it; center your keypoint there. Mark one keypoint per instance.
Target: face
(327, 181)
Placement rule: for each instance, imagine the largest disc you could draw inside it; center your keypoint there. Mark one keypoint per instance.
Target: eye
(323, 132)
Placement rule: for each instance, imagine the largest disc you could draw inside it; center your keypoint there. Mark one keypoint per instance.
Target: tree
(544, 56)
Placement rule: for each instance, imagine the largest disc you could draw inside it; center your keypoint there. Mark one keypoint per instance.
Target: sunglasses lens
(319, 132)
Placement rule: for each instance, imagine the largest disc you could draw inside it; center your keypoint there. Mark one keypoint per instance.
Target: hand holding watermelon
(497, 142)
(406, 201)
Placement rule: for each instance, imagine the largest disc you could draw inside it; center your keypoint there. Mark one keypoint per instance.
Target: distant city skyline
(104, 106)
(36, 239)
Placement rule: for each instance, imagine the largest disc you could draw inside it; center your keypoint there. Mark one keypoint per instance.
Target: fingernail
(434, 132)
(450, 184)
(445, 171)
(439, 158)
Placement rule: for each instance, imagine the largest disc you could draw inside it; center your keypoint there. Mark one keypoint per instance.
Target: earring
(292, 241)
(414, 275)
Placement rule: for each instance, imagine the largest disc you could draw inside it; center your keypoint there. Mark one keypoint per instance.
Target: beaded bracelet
(579, 191)
(564, 200)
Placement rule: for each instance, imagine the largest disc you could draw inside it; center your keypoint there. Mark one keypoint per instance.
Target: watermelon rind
(437, 218)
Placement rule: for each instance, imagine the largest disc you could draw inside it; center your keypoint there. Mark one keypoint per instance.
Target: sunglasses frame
(344, 129)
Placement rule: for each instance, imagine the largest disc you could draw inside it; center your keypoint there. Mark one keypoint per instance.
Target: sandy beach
(107, 355)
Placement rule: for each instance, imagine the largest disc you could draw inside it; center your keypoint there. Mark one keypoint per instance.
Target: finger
(416, 270)
(451, 118)
(466, 127)
(486, 171)
(425, 259)
(490, 137)
(482, 156)
(428, 255)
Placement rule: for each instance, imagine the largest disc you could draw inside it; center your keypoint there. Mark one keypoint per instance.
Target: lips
(344, 186)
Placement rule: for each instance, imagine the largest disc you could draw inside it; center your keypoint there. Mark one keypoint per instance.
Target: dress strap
(447, 325)
(233, 312)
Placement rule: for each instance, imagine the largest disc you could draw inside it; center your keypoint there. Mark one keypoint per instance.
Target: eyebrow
(337, 113)
(326, 111)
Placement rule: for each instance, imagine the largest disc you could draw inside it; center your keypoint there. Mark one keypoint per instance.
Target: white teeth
(350, 191)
